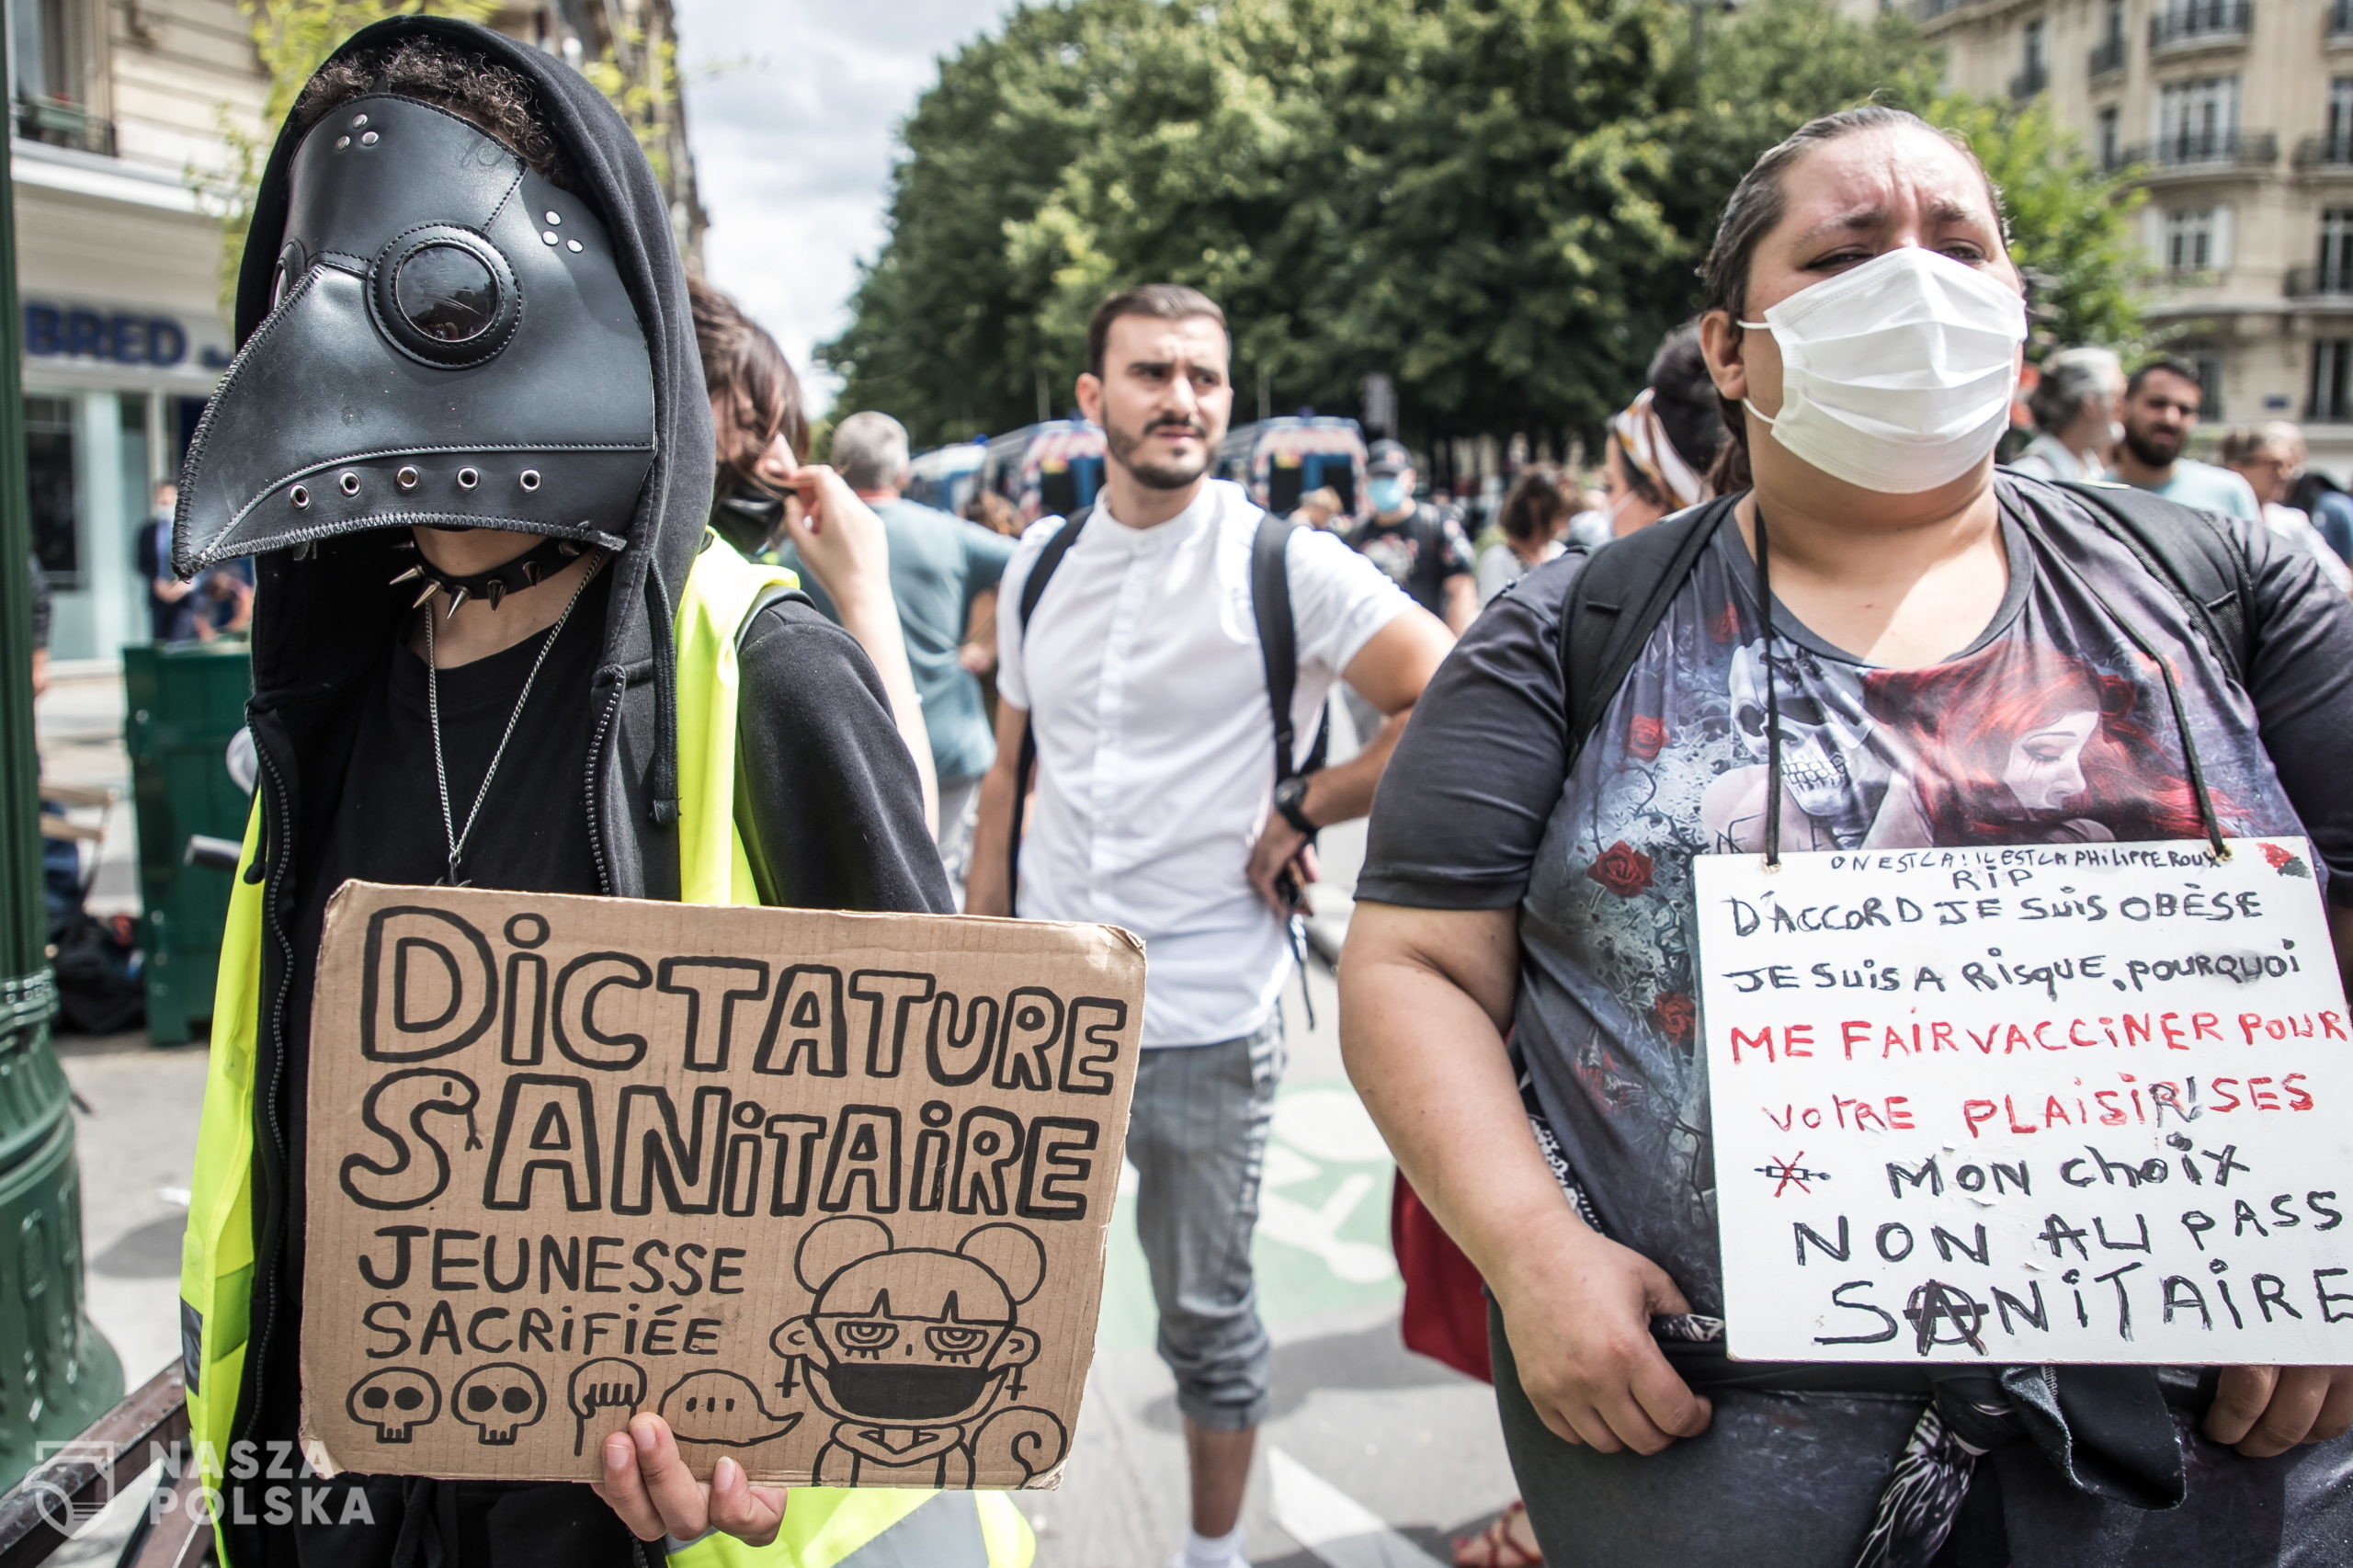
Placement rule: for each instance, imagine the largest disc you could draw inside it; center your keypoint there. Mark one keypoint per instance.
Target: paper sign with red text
(2083, 1102)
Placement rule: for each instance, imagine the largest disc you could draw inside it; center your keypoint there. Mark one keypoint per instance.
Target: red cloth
(1445, 1301)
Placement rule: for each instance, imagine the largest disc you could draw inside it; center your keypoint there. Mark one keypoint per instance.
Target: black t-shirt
(385, 826)
(1419, 551)
(2049, 728)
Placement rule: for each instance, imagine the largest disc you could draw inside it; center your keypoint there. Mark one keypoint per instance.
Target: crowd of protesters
(1087, 719)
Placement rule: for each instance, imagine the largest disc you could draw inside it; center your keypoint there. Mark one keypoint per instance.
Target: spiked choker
(532, 567)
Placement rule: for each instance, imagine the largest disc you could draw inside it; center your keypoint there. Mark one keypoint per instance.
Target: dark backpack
(1617, 601)
(1277, 649)
(97, 961)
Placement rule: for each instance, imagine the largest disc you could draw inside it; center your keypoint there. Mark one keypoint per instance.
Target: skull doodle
(1822, 725)
(395, 1401)
(498, 1399)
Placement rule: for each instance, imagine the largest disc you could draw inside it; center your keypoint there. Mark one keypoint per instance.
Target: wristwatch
(1291, 800)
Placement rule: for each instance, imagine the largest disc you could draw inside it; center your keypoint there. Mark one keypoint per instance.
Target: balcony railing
(2334, 282)
(2187, 23)
(2200, 149)
(63, 125)
(2332, 152)
(2108, 54)
(2030, 80)
(1929, 10)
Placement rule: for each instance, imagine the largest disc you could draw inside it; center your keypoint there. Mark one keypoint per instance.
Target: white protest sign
(2047, 1102)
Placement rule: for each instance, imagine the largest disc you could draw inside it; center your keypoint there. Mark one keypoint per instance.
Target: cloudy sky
(791, 107)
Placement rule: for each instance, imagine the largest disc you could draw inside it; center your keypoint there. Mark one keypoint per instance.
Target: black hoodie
(827, 799)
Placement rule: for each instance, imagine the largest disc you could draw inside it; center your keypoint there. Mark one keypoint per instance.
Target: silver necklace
(456, 838)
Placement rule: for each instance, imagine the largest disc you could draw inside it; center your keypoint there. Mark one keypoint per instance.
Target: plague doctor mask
(450, 343)
(1896, 375)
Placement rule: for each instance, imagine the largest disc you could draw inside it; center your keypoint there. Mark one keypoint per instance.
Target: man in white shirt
(1140, 671)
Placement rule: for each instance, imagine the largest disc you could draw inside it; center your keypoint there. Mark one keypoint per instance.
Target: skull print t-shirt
(2051, 727)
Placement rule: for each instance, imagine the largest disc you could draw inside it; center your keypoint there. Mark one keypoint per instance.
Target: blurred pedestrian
(172, 610)
(2078, 408)
(1661, 446)
(2322, 500)
(2266, 458)
(942, 569)
(771, 506)
(1422, 549)
(1950, 656)
(1320, 508)
(1535, 510)
(1136, 673)
(994, 513)
(2161, 405)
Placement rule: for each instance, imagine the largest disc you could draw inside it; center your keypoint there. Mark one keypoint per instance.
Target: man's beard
(2145, 447)
(1124, 445)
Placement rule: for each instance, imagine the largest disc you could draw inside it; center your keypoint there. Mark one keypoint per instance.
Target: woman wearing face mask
(1660, 446)
(765, 497)
(1863, 321)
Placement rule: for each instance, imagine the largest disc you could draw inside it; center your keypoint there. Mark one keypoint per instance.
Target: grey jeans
(1197, 1136)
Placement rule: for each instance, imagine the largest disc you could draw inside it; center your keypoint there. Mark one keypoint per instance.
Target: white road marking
(1334, 1527)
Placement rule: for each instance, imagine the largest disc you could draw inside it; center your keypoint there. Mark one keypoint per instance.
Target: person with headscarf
(1660, 446)
(495, 646)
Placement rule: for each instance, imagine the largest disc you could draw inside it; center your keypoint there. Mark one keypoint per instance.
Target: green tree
(2074, 228)
(293, 39)
(1499, 203)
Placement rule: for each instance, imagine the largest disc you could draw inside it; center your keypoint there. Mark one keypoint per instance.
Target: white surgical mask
(1897, 376)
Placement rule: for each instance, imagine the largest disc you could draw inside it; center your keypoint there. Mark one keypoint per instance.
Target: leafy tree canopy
(1499, 203)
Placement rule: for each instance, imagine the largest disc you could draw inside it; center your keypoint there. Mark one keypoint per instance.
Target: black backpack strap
(1033, 588)
(1278, 637)
(2192, 552)
(1614, 603)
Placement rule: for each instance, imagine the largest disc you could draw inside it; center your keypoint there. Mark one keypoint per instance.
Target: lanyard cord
(2196, 771)
(1772, 704)
(2207, 816)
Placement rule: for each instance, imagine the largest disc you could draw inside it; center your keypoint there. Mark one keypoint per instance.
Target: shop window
(49, 481)
(2330, 401)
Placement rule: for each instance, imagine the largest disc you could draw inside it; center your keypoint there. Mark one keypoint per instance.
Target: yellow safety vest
(823, 1526)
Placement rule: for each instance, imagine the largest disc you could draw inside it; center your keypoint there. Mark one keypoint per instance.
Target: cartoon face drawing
(912, 1336)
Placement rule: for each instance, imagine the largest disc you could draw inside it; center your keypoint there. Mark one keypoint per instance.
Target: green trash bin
(185, 705)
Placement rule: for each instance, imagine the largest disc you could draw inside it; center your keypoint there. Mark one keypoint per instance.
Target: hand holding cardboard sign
(648, 1484)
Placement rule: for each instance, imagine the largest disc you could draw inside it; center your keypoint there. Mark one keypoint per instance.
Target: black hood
(327, 610)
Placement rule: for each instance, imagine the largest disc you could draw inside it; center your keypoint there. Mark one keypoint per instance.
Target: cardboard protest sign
(2086, 1102)
(828, 1192)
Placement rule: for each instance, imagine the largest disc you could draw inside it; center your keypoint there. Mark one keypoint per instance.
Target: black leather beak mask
(449, 343)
